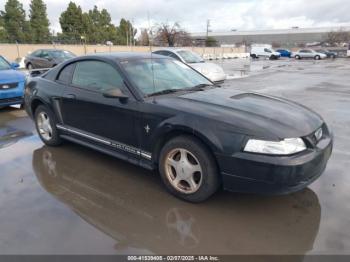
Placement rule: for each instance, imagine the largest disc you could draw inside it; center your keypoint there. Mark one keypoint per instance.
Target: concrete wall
(13, 51)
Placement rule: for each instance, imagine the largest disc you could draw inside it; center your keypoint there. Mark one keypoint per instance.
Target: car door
(306, 53)
(97, 118)
(267, 52)
(35, 59)
(45, 59)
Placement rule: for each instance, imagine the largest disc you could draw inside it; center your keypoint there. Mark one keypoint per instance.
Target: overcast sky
(224, 14)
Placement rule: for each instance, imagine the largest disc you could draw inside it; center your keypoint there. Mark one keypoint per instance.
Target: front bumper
(253, 173)
(11, 101)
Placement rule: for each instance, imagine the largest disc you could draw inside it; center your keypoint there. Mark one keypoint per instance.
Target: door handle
(70, 96)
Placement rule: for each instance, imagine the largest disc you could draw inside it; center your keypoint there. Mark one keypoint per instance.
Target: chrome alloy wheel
(44, 126)
(183, 171)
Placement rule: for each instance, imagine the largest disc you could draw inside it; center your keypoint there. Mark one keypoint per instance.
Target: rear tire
(45, 122)
(188, 169)
(297, 57)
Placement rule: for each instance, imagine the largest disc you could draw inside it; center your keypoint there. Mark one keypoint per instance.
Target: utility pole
(208, 27)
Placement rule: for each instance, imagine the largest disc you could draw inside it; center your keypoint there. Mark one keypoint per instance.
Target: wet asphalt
(73, 200)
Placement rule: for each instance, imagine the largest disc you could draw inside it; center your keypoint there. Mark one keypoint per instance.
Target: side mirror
(115, 93)
(14, 66)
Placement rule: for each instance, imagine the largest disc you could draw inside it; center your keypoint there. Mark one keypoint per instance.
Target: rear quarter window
(65, 75)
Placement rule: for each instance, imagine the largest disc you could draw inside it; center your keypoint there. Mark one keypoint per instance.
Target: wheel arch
(36, 102)
(167, 136)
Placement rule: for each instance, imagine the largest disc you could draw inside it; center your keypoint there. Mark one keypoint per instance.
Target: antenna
(150, 39)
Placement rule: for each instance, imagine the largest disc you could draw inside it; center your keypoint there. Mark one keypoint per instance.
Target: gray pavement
(72, 200)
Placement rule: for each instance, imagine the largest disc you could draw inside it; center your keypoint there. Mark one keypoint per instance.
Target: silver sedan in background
(309, 53)
(212, 71)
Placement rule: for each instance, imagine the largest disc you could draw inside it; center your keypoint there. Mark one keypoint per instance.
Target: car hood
(10, 75)
(204, 68)
(249, 113)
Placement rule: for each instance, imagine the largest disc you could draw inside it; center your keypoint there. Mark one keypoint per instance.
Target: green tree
(211, 42)
(126, 32)
(100, 26)
(73, 23)
(14, 20)
(39, 23)
(3, 32)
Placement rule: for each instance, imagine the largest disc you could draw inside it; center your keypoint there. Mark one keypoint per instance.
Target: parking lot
(73, 200)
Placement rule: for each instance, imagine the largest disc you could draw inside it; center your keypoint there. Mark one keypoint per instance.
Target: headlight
(287, 146)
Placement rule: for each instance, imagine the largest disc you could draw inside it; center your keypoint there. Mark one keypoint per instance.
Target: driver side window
(97, 76)
(44, 54)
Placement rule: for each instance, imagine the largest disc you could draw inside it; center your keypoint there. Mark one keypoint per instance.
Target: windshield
(4, 65)
(62, 54)
(190, 57)
(152, 76)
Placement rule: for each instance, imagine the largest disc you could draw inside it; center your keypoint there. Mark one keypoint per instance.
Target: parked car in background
(328, 53)
(284, 52)
(163, 115)
(47, 58)
(348, 53)
(262, 51)
(308, 53)
(11, 83)
(212, 71)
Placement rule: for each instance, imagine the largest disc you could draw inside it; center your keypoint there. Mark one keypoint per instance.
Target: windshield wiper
(199, 87)
(164, 92)
(171, 91)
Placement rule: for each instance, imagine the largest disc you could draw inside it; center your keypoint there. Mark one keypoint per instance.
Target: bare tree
(171, 35)
(144, 38)
(338, 37)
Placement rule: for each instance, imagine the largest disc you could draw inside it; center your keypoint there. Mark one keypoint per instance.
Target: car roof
(120, 56)
(50, 50)
(172, 49)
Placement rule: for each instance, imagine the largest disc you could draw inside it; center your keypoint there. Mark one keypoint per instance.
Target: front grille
(8, 86)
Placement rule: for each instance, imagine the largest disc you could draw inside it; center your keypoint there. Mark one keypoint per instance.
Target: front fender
(219, 138)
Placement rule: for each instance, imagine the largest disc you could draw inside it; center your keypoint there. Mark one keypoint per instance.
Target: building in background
(293, 37)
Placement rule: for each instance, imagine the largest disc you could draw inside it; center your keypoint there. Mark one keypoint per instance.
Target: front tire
(188, 169)
(30, 66)
(45, 123)
(317, 57)
(297, 57)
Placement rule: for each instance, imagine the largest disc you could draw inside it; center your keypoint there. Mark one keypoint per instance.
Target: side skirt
(145, 164)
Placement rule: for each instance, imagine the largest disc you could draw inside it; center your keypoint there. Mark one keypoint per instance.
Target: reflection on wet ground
(130, 205)
(72, 200)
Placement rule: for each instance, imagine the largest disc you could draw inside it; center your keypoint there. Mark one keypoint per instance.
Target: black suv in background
(47, 58)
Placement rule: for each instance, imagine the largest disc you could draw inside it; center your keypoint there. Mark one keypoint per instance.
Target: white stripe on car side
(115, 144)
